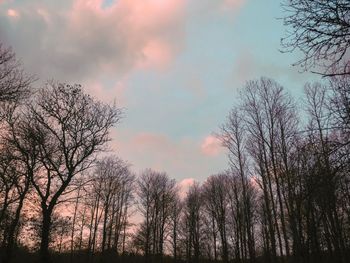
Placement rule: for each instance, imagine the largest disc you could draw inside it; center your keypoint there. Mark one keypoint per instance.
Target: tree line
(285, 196)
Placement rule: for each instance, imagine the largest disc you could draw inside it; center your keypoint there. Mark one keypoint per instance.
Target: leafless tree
(156, 192)
(328, 182)
(193, 221)
(14, 185)
(23, 151)
(70, 127)
(339, 105)
(14, 82)
(116, 197)
(234, 138)
(80, 185)
(302, 172)
(175, 216)
(320, 30)
(215, 194)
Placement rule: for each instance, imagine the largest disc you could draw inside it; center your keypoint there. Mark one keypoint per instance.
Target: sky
(174, 66)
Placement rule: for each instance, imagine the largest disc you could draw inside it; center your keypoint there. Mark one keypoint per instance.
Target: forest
(284, 197)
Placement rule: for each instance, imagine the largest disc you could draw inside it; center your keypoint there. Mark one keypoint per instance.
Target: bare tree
(95, 214)
(115, 195)
(14, 183)
(156, 192)
(14, 82)
(234, 138)
(215, 195)
(176, 213)
(320, 30)
(329, 180)
(193, 223)
(24, 152)
(80, 185)
(8, 181)
(303, 173)
(338, 104)
(71, 128)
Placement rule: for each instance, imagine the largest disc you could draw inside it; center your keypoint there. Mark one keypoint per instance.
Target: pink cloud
(180, 158)
(184, 185)
(157, 53)
(111, 93)
(144, 34)
(84, 39)
(151, 150)
(211, 146)
(13, 13)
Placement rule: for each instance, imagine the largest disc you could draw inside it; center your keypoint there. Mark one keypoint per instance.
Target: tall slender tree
(70, 127)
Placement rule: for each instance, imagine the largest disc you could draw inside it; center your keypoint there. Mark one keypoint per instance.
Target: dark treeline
(284, 197)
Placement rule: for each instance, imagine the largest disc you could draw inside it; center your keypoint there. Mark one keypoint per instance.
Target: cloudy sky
(175, 66)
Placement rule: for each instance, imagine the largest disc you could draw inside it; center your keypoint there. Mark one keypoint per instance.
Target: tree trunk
(73, 225)
(45, 235)
(12, 231)
(13, 226)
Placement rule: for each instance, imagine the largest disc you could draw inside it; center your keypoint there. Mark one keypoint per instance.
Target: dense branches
(302, 172)
(14, 83)
(286, 194)
(61, 131)
(156, 193)
(320, 29)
